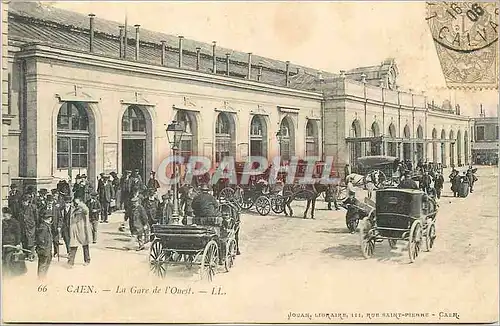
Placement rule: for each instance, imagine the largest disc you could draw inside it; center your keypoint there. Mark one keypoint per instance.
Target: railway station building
(87, 95)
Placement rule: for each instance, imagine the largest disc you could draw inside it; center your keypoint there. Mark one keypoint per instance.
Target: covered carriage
(211, 245)
(381, 170)
(400, 214)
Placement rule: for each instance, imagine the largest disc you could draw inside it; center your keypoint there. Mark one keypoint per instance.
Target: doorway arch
(420, 144)
(392, 145)
(312, 142)
(407, 143)
(355, 132)
(459, 148)
(375, 145)
(443, 148)
(189, 142)
(137, 140)
(466, 147)
(452, 148)
(434, 145)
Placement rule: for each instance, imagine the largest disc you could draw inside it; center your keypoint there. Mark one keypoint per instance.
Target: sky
(322, 35)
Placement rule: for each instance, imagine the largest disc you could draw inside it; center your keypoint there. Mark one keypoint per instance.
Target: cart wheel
(209, 261)
(430, 236)
(392, 243)
(415, 240)
(367, 239)
(342, 195)
(188, 259)
(227, 193)
(263, 205)
(158, 259)
(246, 200)
(352, 222)
(230, 254)
(278, 204)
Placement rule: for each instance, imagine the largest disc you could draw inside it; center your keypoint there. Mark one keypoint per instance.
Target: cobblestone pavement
(292, 265)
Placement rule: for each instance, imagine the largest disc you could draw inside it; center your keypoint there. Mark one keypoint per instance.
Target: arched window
(287, 139)
(224, 136)
(133, 120)
(258, 136)
(72, 136)
(311, 138)
(186, 145)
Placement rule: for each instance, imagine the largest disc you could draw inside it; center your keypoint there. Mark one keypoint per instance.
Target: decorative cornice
(57, 54)
(137, 100)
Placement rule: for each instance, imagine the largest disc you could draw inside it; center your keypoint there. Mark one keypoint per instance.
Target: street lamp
(279, 137)
(174, 134)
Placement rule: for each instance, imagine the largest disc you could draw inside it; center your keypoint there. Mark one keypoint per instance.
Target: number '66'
(42, 288)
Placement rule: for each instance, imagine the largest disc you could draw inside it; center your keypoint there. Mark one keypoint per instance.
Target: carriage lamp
(175, 131)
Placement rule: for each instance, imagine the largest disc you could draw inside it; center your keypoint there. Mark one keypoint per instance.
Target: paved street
(295, 265)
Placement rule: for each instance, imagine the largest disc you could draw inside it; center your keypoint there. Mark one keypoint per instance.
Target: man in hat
(106, 194)
(205, 204)
(79, 231)
(63, 187)
(151, 204)
(425, 182)
(53, 208)
(44, 243)
(125, 189)
(63, 220)
(152, 182)
(12, 260)
(41, 202)
(138, 221)
(407, 182)
(14, 200)
(166, 208)
(94, 207)
(28, 219)
(115, 182)
(471, 178)
(136, 185)
(438, 184)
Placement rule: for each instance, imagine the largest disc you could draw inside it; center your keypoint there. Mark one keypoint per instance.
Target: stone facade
(345, 116)
(485, 147)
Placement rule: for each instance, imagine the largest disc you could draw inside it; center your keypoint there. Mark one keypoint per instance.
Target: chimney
(320, 75)
(91, 32)
(227, 63)
(181, 38)
(137, 41)
(287, 79)
(198, 49)
(259, 75)
(249, 73)
(163, 52)
(214, 58)
(121, 40)
(363, 78)
(342, 73)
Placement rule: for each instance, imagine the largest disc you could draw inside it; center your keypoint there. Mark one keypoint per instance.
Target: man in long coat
(125, 189)
(79, 231)
(12, 261)
(438, 184)
(106, 194)
(28, 220)
(63, 222)
(151, 204)
(44, 245)
(138, 221)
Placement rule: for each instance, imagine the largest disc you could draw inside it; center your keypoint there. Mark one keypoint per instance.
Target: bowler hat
(83, 176)
(53, 191)
(204, 187)
(153, 172)
(67, 199)
(43, 191)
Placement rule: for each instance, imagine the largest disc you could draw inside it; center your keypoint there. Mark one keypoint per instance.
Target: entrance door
(133, 154)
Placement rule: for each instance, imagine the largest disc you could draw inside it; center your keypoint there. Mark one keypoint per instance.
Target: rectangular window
(480, 133)
(222, 149)
(285, 150)
(79, 153)
(62, 152)
(496, 132)
(185, 149)
(311, 149)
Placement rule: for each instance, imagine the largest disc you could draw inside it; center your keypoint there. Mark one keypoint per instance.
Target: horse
(309, 192)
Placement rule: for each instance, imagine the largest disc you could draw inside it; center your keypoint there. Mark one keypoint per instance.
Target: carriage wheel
(158, 259)
(415, 240)
(238, 197)
(392, 243)
(209, 261)
(430, 236)
(342, 195)
(189, 260)
(230, 254)
(367, 239)
(352, 222)
(227, 193)
(263, 205)
(278, 204)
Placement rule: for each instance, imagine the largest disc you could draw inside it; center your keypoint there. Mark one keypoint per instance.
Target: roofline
(62, 54)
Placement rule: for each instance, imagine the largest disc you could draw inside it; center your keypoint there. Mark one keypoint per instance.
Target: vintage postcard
(250, 162)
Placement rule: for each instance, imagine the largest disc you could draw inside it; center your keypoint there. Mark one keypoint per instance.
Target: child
(44, 245)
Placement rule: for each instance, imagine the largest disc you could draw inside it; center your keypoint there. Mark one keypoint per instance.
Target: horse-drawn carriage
(400, 214)
(381, 171)
(212, 243)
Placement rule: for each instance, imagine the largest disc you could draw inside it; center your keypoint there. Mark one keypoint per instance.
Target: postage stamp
(466, 39)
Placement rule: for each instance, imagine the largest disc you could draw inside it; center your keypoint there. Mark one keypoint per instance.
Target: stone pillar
(6, 118)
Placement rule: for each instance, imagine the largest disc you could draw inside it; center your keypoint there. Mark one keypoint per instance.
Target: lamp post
(174, 134)
(279, 137)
